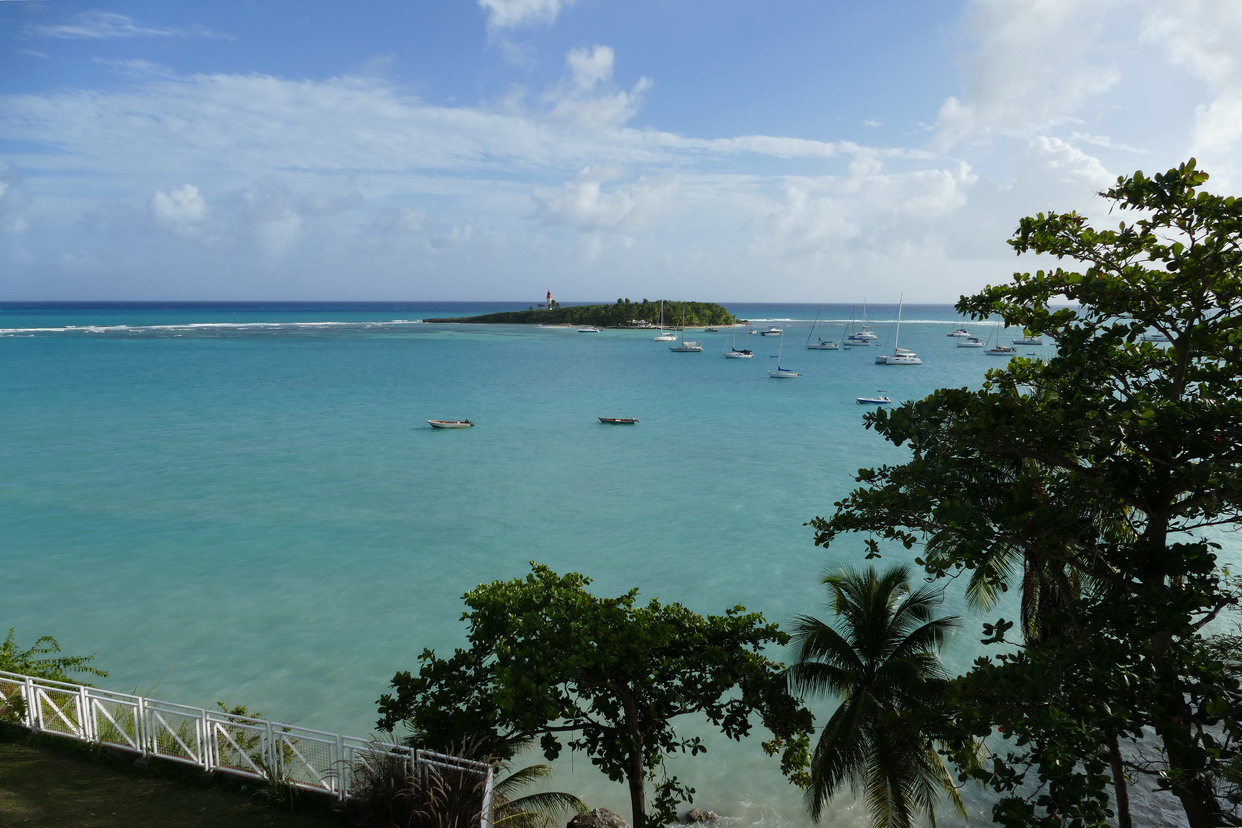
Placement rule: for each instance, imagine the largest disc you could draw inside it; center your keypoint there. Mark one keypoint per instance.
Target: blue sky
(727, 150)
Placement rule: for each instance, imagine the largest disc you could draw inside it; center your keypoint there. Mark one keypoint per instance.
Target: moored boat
(899, 356)
(618, 420)
(450, 423)
(686, 346)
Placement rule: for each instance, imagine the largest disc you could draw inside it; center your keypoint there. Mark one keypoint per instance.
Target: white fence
(214, 740)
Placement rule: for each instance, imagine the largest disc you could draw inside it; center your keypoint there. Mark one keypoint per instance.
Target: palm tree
(881, 661)
(535, 810)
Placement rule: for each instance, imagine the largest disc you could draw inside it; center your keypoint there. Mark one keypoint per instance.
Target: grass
(56, 782)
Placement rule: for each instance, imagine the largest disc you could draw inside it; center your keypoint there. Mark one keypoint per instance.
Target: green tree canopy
(1096, 477)
(605, 676)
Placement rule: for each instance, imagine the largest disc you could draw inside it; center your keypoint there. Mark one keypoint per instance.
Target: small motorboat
(618, 420)
(588, 329)
(879, 399)
(958, 332)
(450, 423)
(713, 330)
(772, 331)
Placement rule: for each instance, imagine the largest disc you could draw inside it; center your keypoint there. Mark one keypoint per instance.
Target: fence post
(86, 715)
(485, 815)
(28, 694)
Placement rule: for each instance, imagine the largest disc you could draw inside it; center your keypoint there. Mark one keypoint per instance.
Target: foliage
(606, 676)
(41, 660)
(543, 809)
(1096, 476)
(623, 314)
(881, 662)
(391, 792)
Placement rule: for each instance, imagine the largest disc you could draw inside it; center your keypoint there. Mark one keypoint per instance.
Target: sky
(714, 150)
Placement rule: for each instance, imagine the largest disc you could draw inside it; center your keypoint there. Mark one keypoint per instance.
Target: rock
(598, 818)
(699, 815)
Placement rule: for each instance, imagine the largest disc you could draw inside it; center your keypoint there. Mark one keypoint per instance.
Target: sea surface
(243, 502)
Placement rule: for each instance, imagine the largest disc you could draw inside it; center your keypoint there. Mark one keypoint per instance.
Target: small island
(623, 314)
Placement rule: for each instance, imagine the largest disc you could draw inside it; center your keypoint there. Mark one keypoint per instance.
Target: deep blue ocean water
(243, 501)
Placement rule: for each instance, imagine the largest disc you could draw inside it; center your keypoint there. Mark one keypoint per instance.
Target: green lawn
(46, 784)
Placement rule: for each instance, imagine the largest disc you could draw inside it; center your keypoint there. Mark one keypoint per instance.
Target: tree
(605, 676)
(882, 663)
(41, 660)
(1106, 468)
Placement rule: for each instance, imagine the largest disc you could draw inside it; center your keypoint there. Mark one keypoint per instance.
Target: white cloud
(806, 224)
(587, 205)
(588, 98)
(1037, 64)
(1201, 37)
(1105, 142)
(513, 14)
(181, 211)
(14, 200)
(97, 25)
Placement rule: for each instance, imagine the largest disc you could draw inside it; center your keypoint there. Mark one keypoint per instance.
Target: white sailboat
(997, 349)
(900, 355)
(735, 352)
(782, 373)
(665, 336)
(686, 346)
(864, 334)
(822, 344)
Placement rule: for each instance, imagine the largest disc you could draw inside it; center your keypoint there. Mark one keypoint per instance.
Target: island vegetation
(622, 314)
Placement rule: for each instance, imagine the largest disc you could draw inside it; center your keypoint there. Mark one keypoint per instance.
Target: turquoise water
(244, 502)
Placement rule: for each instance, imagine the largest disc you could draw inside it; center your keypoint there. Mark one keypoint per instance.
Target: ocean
(243, 502)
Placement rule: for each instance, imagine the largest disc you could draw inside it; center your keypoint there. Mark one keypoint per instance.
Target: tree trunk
(636, 772)
(1121, 788)
(638, 799)
(1190, 786)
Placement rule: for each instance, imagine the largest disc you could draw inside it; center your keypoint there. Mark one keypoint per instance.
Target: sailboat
(665, 336)
(782, 373)
(899, 356)
(686, 346)
(822, 344)
(1028, 338)
(735, 352)
(863, 335)
(998, 349)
